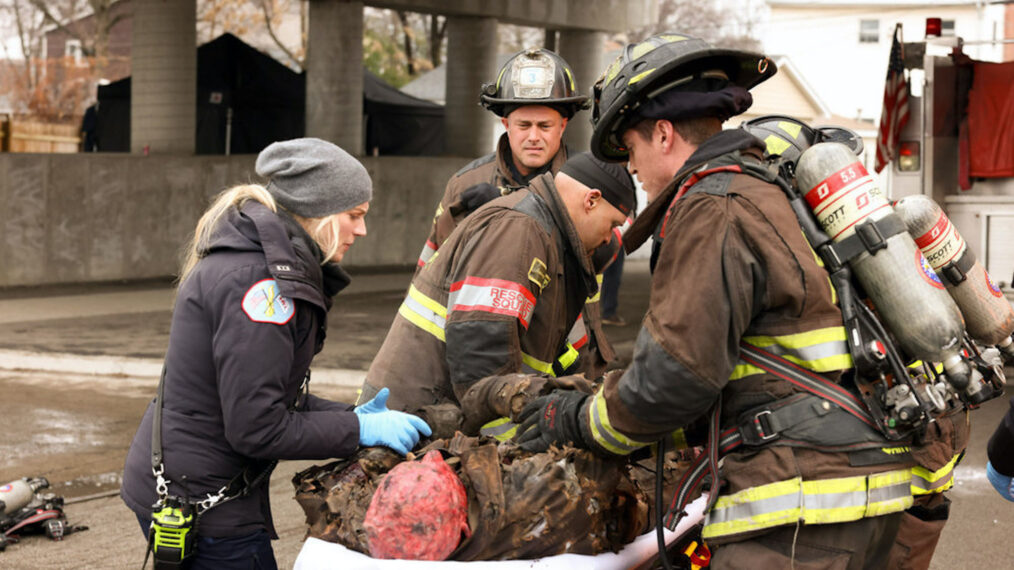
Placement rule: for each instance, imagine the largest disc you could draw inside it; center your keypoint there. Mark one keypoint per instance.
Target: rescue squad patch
(263, 304)
(538, 274)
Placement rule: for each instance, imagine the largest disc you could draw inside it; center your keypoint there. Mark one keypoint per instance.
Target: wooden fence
(28, 135)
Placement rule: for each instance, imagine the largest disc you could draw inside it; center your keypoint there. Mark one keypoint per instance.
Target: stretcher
(317, 554)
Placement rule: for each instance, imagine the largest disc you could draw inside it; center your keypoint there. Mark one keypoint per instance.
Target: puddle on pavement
(73, 431)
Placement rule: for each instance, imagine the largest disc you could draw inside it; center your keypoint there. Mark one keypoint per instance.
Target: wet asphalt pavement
(79, 365)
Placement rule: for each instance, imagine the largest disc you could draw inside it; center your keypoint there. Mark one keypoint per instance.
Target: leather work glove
(555, 418)
(390, 428)
(1002, 483)
(477, 195)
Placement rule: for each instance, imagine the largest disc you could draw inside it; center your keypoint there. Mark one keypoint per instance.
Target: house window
(947, 27)
(72, 49)
(869, 31)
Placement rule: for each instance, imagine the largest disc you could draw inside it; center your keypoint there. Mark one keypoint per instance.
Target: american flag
(895, 114)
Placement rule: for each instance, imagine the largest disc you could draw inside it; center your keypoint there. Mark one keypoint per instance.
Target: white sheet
(320, 555)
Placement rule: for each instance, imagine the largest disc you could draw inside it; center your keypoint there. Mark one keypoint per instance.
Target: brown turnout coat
(499, 297)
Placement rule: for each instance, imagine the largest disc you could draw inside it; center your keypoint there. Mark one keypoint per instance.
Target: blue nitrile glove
(377, 404)
(380, 426)
(1002, 483)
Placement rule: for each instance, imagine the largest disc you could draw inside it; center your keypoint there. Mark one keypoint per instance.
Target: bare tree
(515, 38)
(88, 22)
(438, 31)
(727, 26)
(56, 88)
(246, 18)
(407, 34)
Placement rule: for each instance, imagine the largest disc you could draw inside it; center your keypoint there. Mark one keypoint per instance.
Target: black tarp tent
(267, 103)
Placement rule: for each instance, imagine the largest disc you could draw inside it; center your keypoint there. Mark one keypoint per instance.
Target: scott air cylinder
(17, 494)
(907, 293)
(989, 317)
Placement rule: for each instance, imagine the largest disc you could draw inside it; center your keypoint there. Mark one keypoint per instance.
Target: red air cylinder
(907, 293)
(989, 317)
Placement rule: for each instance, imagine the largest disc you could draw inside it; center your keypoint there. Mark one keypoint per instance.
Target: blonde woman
(250, 314)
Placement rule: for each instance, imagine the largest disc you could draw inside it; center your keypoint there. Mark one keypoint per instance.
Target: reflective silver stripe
(813, 352)
(427, 252)
(578, 335)
(889, 493)
(813, 502)
(424, 312)
(501, 429)
(602, 431)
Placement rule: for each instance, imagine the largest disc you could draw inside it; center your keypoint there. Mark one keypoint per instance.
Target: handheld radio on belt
(172, 537)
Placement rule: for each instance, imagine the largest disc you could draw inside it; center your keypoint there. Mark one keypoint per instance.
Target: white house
(842, 46)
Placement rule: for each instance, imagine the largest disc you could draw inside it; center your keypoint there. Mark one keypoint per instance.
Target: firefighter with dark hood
(535, 96)
(731, 273)
(501, 294)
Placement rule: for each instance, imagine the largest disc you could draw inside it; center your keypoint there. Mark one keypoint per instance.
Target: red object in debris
(419, 512)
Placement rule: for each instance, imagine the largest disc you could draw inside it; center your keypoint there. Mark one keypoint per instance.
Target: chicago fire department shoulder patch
(263, 304)
(538, 273)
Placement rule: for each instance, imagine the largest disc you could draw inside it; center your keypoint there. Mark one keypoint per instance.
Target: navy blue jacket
(247, 322)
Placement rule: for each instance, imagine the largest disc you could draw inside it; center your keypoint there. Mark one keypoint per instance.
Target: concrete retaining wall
(92, 218)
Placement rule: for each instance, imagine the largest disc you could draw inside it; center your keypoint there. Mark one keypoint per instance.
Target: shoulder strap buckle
(758, 429)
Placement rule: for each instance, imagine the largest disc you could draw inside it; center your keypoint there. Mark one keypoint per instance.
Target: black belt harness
(762, 427)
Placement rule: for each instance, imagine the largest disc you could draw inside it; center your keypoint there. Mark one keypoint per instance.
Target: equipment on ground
(23, 510)
(18, 493)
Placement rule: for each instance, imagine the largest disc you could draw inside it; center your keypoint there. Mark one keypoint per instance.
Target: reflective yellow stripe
(569, 356)
(424, 312)
(679, 439)
(500, 429)
(536, 364)
(926, 482)
(598, 294)
(822, 501)
(421, 322)
(640, 76)
(742, 370)
(820, 350)
(604, 434)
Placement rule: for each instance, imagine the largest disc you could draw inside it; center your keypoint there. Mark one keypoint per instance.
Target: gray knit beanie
(313, 178)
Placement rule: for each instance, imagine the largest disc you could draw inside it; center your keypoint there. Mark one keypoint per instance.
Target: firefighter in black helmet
(535, 95)
(739, 309)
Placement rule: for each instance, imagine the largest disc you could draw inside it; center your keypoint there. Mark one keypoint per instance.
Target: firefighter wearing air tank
(737, 294)
(535, 96)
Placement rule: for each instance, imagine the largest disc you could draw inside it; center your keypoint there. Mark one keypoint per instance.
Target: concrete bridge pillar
(583, 51)
(334, 73)
(471, 61)
(163, 109)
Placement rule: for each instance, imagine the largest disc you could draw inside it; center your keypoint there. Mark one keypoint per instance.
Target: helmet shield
(657, 65)
(535, 76)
